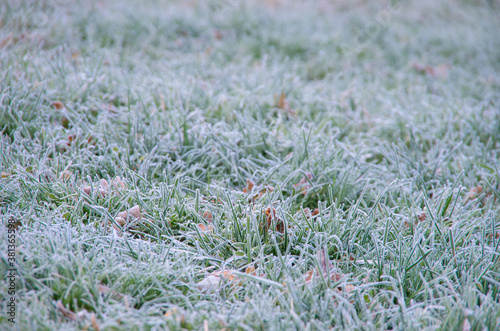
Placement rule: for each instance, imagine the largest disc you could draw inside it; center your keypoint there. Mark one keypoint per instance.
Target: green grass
(394, 110)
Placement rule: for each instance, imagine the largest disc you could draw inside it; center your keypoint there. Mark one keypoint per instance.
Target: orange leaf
(208, 216)
(271, 215)
(282, 102)
(203, 228)
(58, 105)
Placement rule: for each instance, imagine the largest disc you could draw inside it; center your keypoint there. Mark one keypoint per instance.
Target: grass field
(250, 165)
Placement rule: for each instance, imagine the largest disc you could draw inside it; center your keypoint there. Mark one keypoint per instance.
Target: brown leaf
(271, 215)
(217, 34)
(203, 228)
(65, 311)
(66, 175)
(325, 268)
(120, 220)
(5, 174)
(135, 211)
(208, 216)
(303, 185)
(251, 270)
(474, 193)
(282, 103)
(172, 312)
(439, 71)
(58, 105)
(93, 321)
(118, 183)
(250, 186)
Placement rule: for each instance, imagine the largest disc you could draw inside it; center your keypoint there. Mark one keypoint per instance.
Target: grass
(383, 117)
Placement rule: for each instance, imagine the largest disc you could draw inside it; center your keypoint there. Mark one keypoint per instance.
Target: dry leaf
(93, 321)
(107, 290)
(271, 215)
(87, 189)
(213, 280)
(474, 193)
(58, 105)
(250, 185)
(325, 266)
(251, 270)
(135, 211)
(5, 174)
(208, 216)
(217, 35)
(203, 228)
(282, 103)
(66, 175)
(65, 311)
(120, 220)
(118, 183)
(171, 312)
(303, 185)
(439, 71)
(104, 184)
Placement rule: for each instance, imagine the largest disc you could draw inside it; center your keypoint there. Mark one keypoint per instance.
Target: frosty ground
(262, 165)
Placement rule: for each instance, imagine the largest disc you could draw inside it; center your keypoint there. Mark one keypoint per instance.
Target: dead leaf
(251, 270)
(217, 34)
(120, 220)
(65, 175)
(135, 211)
(208, 216)
(325, 268)
(172, 312)
(282, 103)
(203, 228)
(271, 215)
(5, 174)
(93, 321)
(213, 280)
(263, 190)
(439, 71)
(58, 105)
(118, 183)
(474, 193)
(304, 184)
(65, 311)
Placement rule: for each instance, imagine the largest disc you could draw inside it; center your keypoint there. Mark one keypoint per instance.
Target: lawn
(249, 165)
